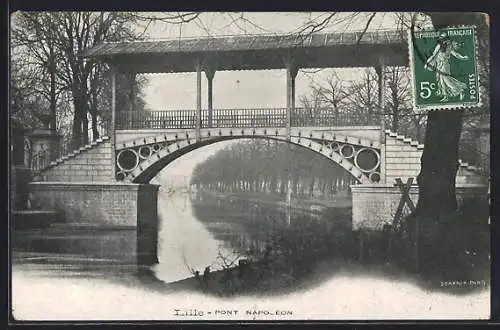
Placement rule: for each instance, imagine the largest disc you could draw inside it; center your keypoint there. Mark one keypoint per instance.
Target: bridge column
(210, 72)
(291, 73)
(112, 126)
(133, 87)
(381, 104)
(198, 100)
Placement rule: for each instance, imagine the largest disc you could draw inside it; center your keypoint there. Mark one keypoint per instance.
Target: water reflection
(184, 243)
(196, 229)
(116, 246)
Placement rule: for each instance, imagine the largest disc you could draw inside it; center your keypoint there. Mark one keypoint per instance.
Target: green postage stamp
(444, 68)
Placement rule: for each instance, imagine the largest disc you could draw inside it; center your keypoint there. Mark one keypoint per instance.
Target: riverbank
(304, 204)
(276, 282)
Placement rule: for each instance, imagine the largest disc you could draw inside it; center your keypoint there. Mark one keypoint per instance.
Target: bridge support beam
(291, 73)
(381, 104)
(133, 87)
(210, 73)
(112, 128)
(198, 100)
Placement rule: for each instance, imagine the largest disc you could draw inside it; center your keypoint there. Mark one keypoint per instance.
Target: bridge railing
(241, 118)
(46, 154)
(329, 118)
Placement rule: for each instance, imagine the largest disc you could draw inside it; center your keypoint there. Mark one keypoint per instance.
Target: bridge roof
(258, 52)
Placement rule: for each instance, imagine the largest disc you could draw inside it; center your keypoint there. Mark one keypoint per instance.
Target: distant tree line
(268, 166)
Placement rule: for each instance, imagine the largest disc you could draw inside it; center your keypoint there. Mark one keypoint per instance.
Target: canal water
(88, 273)
(185, 243)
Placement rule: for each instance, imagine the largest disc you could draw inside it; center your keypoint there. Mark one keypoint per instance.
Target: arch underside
(154, 153)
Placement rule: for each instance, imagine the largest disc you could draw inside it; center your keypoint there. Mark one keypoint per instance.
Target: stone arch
(153, 164)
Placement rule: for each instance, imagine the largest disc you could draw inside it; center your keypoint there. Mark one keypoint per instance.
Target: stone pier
(375, 204)
(107, 205)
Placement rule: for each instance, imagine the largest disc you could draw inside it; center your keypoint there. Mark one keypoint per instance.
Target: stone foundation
(19, 187)
(110, 205)
(374, 205)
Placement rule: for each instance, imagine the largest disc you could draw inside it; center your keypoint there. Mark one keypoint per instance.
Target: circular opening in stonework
(375, 177)
(367, 160)
(127, 160)
(145, 152)
(156, 147)
(334, 146)
(347, 151)
(120, 176)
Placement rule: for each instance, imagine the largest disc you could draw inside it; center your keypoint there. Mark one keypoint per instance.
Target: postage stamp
(444, 71)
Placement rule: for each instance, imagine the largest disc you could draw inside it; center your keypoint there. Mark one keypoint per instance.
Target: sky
(243, 89)
(246, 89)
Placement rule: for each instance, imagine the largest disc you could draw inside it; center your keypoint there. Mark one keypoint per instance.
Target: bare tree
(53, 42)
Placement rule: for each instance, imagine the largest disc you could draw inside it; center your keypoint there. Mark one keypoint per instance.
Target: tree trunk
(76, 131)
(53, 99)
(439, 163)
(395, 120)
(78, 120)
(85, 129)
(311, 187)
(93, 114)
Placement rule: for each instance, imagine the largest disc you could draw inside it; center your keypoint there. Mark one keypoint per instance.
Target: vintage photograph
(240, 166)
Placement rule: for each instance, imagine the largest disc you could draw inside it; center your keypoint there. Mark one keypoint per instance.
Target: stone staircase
(91, 162)
(403, 160)
(75, 153)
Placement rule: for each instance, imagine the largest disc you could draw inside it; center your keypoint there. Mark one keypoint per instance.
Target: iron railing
(241, 118)
(327, 117)
(67, 145)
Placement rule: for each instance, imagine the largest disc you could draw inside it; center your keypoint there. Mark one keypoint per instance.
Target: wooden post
(198, 99)
(113, 122)
(209, 72)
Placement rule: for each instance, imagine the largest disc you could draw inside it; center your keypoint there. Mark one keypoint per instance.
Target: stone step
(414, 143)
(70, 155)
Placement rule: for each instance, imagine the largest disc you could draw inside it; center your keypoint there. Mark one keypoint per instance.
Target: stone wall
(89, 165)
(112, 205)
(373, 205)
(19, 187)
